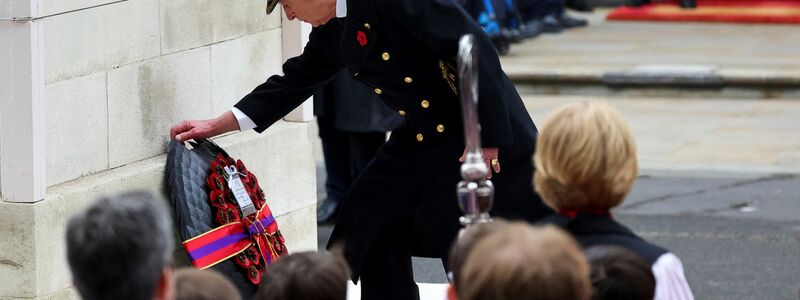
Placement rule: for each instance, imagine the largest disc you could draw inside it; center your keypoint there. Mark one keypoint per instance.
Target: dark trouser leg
(387, 272)
(363, 147)
(336, 151)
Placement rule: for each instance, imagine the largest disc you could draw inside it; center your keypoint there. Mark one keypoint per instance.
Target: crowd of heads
(122, 247)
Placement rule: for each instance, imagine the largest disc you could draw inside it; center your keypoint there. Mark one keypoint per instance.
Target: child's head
(194, 284)
(618, 273)
(466, 241)
(305, 275)
(585, 157)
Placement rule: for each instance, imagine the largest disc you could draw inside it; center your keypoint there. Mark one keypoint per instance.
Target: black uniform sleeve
(439, 24)
(303, 76)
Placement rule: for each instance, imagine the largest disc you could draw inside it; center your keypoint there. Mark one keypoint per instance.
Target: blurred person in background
(525, 262)
(120, 247)
(619, 274)
(194, 284)
(585, 166)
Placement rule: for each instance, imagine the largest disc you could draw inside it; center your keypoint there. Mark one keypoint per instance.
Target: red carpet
(734, 11)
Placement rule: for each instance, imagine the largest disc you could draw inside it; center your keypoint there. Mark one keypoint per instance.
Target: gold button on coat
(402, 112)
(378, 91)
(425, 104)
(408, 79)
(440, 128)
(385, 56)
(419, 137)
(366, 25)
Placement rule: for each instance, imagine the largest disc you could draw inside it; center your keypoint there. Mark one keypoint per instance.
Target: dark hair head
(118, 246)
(194, 284)
(306, 275)
(466, 241)
(618, 273)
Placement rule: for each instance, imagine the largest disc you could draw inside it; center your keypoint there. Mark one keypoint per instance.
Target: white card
(239, 192)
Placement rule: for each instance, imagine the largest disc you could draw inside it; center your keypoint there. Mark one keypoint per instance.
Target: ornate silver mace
(475, 192)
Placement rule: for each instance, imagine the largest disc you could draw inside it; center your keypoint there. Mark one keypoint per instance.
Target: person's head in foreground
(464, 244)
(525, 262)
(194, 284)
(585, 158)
(619, 274)
(120, 247)
(306, 275)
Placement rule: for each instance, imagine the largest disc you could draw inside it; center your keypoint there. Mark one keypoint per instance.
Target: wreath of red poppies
(226, 210)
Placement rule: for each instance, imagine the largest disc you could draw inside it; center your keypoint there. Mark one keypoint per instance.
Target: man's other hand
(490, 158)
(197, 129)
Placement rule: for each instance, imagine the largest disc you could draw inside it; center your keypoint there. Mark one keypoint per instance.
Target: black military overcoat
(405, 51)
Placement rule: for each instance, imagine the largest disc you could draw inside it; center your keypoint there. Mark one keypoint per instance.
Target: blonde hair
(525, 262)
(585, 157)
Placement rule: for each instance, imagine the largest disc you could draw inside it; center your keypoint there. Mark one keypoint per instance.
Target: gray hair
(118, 247)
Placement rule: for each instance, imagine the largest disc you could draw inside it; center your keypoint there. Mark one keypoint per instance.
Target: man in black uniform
(404, 203)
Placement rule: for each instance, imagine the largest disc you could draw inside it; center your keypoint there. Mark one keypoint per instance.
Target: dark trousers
(346, 154)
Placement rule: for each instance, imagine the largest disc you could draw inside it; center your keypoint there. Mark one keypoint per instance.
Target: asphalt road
(737, 234)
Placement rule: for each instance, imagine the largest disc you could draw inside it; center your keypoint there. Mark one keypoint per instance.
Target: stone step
(659, 80)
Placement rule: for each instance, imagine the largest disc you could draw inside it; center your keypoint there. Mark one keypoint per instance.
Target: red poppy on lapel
(362, 38)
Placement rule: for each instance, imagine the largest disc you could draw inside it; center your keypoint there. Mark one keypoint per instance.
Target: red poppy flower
(362, 38)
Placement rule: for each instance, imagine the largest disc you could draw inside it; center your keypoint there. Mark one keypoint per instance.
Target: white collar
(341, 8)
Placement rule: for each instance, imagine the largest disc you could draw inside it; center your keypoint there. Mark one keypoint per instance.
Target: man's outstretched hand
(490, 158)
(198, 129)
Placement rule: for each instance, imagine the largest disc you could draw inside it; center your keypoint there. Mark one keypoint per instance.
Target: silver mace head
(475, 192)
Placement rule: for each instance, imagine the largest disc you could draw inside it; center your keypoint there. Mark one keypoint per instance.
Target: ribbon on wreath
(226, 241)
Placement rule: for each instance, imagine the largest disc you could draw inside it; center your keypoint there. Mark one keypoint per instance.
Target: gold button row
(439, 128)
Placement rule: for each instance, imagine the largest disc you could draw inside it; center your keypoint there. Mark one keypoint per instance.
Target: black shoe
(551, 25)
(531, 29)
(327, 212)
(515, 36)
(570, 22)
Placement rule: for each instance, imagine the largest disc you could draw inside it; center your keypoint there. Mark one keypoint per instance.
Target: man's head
(585, 157)
(314, 12)
(121, 248)
(525, 262)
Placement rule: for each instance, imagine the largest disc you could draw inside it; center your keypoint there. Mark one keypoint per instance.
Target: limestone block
(50, 7)
(146, 99)
(87, 41)
(299, 227)
(283, 162)
(186, 24)
(17, 260)
(77, 128)
(238, 18)
(242, 64)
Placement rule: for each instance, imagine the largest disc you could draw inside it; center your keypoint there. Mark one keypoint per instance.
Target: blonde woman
(585, 166)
